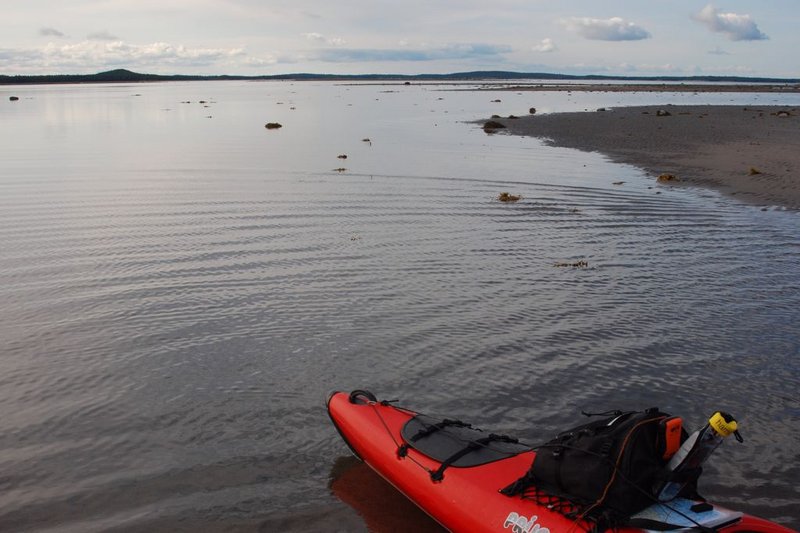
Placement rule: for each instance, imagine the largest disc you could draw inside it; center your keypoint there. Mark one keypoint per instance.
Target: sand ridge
(749, 152)
(652, 87)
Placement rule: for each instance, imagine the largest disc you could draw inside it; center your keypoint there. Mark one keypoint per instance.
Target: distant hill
(127, 76)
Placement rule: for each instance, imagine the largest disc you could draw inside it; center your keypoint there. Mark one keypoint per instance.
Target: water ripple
(170, 332)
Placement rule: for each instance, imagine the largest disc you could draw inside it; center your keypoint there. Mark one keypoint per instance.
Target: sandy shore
(649, 87)
(751, 153)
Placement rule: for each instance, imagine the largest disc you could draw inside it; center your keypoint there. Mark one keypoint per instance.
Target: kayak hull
(466, 499)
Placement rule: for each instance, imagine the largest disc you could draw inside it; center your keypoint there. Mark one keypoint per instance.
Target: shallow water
(181, 288)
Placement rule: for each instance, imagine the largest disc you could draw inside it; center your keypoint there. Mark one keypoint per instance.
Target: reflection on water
(382, 508)
(180, 293)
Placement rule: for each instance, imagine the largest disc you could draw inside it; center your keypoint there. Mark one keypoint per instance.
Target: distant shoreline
(127, 76)
(751, 153)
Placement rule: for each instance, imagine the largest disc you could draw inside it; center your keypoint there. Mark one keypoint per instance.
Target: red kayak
(457, 479)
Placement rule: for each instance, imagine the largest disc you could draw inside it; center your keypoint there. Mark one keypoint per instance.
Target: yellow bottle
(694, 452)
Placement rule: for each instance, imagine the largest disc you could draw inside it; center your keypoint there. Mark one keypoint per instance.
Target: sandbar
(749, 152)
(628, 87)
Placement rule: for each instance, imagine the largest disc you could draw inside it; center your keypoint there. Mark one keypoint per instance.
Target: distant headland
(127, 76)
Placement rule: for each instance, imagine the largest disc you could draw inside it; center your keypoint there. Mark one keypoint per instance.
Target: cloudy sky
(628, 37)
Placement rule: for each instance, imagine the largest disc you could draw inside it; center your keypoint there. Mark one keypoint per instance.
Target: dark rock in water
(496, 101)
(273, 125)
(532, 111)
(496, 116)
(513, 116)
(492, 125)
(407, 83)
(601, 108)
(13, 98)
(663, 113)
(342, 156)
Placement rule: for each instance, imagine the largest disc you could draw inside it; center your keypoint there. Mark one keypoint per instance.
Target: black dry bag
(607, 468)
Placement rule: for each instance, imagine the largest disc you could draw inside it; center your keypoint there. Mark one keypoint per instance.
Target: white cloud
(736, 27)
(319, 38)
(546, 45)
(99, 55)
(51, 32)
(167, 51)
(313, 36)
(612, 29)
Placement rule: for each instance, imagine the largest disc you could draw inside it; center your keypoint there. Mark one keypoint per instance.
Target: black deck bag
(607, 469)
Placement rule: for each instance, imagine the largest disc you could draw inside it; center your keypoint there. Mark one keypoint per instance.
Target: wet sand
(751, 153)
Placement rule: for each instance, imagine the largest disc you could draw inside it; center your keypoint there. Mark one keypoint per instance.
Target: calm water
(180, 288)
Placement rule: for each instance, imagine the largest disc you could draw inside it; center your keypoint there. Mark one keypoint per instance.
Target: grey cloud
(736, 27)
(50, 32)
(9, 57)
(456, 51)
(612, 29)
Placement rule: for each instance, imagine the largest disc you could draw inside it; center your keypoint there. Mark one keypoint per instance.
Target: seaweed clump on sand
(577, 264)
(492, 125)
(668, 178)
(506, 197)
